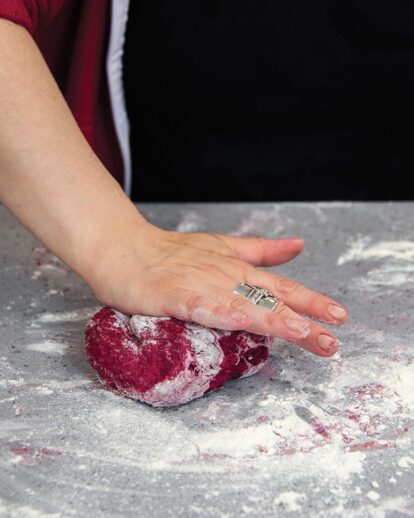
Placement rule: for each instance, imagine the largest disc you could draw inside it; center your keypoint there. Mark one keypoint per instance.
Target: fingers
(282, 322)
(262, 251)
(299, 298)
(295, 295)
(187, 304)
(197, 286)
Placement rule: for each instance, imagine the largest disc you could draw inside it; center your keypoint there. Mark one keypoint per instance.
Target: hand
(190, 276)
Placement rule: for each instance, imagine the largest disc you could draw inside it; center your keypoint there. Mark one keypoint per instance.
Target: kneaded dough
(164, 361)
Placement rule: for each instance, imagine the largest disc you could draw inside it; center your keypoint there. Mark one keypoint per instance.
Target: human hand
(190, 276)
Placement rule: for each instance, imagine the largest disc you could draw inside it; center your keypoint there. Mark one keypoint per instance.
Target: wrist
(110, 254)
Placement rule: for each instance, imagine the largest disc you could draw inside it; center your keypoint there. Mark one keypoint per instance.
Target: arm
(55, 185)
(50, 179)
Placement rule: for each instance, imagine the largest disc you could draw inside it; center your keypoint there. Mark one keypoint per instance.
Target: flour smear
(363, 248)
(392, 263)
(48, 347)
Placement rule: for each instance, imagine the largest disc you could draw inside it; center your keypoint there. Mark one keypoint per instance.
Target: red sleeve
(29, 13)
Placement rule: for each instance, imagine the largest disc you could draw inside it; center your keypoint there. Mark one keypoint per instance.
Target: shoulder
(29, 13)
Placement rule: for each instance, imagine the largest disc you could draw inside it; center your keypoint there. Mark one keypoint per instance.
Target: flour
(49, 384)
(273, 217)
(271, 431)
(401, 379)
(11, 382)
(289, 500)
(44, 390)
(25, 511)
(373, 495)
(384, 507)
(48, 347)
(363, 249)
(191, 221)
(392, 265)
(225, 446)
(66, 316)
(390, 275)
(406, 462)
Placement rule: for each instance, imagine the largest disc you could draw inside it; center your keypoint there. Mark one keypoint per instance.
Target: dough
(164, 361)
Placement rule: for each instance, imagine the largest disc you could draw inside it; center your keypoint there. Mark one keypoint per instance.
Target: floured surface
(306, 436)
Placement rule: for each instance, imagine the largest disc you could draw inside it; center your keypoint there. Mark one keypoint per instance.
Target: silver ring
(258, 295)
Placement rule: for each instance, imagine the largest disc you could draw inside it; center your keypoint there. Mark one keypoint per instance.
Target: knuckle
(159, 278)
(221, 245)
(219, 311)
(280, 309)
(236, 262)
(212, 269)
(193, 302)
(287, 286)
(240, 303)
(315, 298)
(271, 318)
(161, 283)
(247, 272)
(171, 296)
(239, 273)
(262, 243)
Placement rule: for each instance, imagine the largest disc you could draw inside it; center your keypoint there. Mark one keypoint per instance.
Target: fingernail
(337, 312)
(301, 327)
(240, 318)
(326, 342)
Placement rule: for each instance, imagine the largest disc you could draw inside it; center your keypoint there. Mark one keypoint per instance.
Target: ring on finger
(258, 295)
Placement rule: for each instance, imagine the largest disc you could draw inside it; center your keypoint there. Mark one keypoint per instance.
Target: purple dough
(164, 361)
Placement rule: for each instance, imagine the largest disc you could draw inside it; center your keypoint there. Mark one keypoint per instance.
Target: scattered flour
(25, 511)
(384, 508)
(12, 382)
(289, 500)
(44, 390)
(395, 268)
(362, 249)
(191, 221)
(401, 379)
(373, 495)
(274, 216)
(390, 275)
(119, 431)
(48, 384)
(406, 462)
(48, 347)
(67, 316)
(62, 385)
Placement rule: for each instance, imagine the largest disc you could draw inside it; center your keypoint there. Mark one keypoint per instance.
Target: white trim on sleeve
(119, 17)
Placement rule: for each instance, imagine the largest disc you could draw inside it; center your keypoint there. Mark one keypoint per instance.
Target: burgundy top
(73, 38)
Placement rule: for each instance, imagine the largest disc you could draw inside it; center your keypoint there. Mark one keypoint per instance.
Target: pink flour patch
(164, 361)
(33, 455)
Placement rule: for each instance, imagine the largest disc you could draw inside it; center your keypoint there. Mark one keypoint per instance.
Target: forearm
(50, 179)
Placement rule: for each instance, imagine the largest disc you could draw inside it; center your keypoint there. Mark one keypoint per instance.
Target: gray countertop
(307, 436)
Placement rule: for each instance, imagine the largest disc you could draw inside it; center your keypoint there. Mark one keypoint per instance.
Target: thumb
(263, 251)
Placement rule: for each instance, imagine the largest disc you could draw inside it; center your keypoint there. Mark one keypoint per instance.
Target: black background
(235, 100)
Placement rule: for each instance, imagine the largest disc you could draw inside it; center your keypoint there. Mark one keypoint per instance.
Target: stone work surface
(305, 436)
